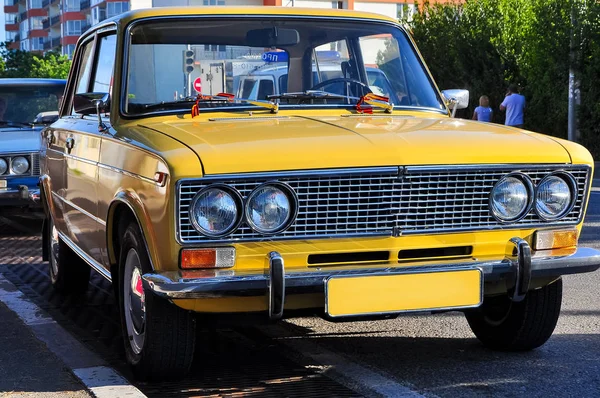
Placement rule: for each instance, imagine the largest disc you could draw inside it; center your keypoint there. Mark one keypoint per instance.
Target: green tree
(51, 65)
(484, 45)
(18, 63)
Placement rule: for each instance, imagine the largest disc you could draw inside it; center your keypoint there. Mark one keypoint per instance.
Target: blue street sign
(275, 56)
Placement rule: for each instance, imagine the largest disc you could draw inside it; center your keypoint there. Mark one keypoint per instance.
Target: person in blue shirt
(514, 105)
(483, 113)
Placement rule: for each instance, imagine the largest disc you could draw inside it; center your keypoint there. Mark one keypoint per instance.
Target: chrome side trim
(79, 159)
(425, 271)
(127, 173)
(90, 261)
(73, 205)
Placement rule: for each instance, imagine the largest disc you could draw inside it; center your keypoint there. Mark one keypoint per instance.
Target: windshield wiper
(15, 124)
(305, 95)
(221, 97)
(187, 100)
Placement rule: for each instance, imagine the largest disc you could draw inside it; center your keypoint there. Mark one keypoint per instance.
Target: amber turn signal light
(555, 239)
(221, 257)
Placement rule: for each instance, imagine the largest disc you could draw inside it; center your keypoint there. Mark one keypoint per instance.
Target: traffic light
(188, 61)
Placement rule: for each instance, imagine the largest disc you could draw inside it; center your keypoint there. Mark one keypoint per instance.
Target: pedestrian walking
(514, 105)
(483, 112)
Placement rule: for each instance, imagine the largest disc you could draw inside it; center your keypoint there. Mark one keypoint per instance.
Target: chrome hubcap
(54, 260)
(134, 301)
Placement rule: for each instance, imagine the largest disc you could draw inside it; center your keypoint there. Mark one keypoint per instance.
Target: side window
(106, 61)
(265, 88)
(85, 69)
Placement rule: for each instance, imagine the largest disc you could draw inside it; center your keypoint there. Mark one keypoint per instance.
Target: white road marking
(101, 381)
(346, 372)
(14, 299)
(104, 382)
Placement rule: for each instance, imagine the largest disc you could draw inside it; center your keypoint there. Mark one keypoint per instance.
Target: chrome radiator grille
(384, 201)
(35, 164)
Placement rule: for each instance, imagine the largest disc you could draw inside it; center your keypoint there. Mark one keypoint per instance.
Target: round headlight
(554, 197)
(215, 210)
(19, 165)
(511, 198)
(270, 208)
(3, 166)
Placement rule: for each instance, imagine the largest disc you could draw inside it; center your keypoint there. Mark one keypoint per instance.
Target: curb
(101, 380)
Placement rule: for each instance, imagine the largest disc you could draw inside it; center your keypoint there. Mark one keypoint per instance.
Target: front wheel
(503, 325)
(159, 336)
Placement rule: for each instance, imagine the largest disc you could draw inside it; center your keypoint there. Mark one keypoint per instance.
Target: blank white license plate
(3, 184)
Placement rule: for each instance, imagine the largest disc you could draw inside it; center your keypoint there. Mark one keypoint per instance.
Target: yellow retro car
(320, 189)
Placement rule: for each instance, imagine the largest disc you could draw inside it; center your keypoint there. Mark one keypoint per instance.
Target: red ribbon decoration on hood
(366, 97)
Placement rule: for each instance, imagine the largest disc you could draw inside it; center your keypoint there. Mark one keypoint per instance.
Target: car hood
(20, 140)
(251, 144)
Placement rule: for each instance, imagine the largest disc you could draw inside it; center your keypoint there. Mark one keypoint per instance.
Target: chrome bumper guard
(518, 268)
(22, 195)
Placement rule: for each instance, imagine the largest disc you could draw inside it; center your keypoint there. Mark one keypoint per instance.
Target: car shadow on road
(451, 367)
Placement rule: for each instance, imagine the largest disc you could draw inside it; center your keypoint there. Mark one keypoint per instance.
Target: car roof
(240, 11)
(22, 81)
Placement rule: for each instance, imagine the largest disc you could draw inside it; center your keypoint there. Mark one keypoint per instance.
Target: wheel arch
(125, 208)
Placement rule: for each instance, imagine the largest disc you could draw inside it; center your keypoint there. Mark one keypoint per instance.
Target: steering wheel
(362, 87)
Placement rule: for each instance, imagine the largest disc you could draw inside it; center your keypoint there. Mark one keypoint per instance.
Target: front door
(82, 144)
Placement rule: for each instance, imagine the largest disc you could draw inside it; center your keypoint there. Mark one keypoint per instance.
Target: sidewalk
(28, 368)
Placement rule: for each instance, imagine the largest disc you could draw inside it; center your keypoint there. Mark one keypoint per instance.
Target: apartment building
(43, 25)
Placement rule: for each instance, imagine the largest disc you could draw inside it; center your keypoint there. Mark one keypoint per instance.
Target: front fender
(136, 207)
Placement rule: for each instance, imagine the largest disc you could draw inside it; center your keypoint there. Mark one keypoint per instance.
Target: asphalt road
(433, 355)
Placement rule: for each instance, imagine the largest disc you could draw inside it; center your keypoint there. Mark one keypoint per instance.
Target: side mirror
(46, 117)
(456, 99)
(91, 103)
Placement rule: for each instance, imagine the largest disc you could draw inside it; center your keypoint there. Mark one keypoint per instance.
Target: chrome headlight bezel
(292, 199)
(529, 187)
(12, 162)
(237, 198)
(571, 183)
(3, 168)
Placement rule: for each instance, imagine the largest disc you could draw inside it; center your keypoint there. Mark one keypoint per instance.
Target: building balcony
(11, 27)
(51, 43)
(23, 15)
(46, 23)
(54, 20)
(84, 5)
(45, 3)
(11, 2)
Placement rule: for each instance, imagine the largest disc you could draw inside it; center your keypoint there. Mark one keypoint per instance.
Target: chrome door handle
(70, 144)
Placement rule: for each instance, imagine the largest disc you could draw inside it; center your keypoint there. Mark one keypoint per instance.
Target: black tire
(506, 326)
(69, 274)
(166, 349)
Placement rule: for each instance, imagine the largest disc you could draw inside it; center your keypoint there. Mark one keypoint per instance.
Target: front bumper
(21, 192)
(518, 268)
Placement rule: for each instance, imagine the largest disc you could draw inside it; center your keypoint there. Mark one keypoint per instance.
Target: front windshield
(171, 62)
(23, 104)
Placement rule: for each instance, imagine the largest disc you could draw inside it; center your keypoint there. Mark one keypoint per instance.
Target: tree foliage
(18, 63)
(484, 45)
